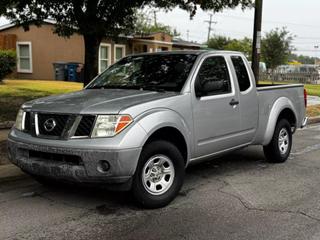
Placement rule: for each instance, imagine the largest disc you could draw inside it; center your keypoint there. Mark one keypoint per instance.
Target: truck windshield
(156, 72)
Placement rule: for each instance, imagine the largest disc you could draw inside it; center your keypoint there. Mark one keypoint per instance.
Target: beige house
(38, 48)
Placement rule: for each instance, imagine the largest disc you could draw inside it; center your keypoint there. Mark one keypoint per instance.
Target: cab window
(213, 77)
(241, 72)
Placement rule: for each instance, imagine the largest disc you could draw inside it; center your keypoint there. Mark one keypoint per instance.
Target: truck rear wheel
(278, 150)
(159, 175)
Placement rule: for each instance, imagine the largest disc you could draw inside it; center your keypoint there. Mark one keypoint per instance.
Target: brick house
(38, 48)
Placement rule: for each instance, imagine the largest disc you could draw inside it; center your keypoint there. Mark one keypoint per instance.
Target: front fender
(278, 106)
(155, 119)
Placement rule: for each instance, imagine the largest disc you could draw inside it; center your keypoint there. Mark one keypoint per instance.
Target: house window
(24, 55)
(104, 57)
(119, 52)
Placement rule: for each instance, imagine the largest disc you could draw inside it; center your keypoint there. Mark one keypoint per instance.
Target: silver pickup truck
(140, 123)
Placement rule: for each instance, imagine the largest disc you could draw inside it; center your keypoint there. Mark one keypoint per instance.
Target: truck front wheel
(159, 175)
(278, 150)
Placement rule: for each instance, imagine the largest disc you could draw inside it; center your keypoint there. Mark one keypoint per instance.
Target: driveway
(236, 197)
(313, 100)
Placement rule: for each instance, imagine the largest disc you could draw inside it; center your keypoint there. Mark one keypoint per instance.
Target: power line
(268, 21)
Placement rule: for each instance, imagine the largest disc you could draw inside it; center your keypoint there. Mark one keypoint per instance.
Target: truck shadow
(118, 203)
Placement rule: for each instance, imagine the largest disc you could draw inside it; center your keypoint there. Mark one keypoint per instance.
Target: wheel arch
(283, 108)
(172, 135)
(170, 126)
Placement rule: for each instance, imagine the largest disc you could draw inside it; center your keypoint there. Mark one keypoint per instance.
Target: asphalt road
(236, 197)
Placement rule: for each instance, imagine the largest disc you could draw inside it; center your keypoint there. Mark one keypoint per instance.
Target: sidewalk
(10, 172)
(313, 100)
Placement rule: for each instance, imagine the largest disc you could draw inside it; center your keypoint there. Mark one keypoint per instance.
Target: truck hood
(95, 101)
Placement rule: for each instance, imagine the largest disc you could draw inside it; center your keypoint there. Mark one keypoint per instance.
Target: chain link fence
(278, 76)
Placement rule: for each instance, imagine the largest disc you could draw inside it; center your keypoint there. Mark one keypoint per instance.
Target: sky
(301, 18)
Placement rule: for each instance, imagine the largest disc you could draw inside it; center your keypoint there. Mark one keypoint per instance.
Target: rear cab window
(241, 73)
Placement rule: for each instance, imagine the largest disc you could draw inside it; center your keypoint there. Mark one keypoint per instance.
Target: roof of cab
(186, 52)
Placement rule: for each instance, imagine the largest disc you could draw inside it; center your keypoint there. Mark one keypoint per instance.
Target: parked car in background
(262, 67)
(139, 124)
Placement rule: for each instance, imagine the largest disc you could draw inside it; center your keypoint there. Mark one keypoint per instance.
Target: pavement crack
(267, 210)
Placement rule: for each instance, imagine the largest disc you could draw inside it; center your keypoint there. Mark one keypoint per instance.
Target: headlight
(110, 125)
(19, 120)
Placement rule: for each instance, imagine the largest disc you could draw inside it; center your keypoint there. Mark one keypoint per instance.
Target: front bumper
(122, 162)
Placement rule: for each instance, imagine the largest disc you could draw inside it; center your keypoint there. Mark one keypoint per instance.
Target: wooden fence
(8, 41)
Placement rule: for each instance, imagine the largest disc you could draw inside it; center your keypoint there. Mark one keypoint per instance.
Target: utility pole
(187, 35)
(316, 48)
(209, 28)
(256, 46)
(155, 17)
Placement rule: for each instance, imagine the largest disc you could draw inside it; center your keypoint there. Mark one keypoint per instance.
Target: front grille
(85, 126)
(63, 158)
(52, 124)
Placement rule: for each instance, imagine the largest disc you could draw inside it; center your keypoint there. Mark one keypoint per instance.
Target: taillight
(305, 97)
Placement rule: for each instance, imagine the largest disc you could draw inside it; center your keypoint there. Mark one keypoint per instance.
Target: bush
(7, 62)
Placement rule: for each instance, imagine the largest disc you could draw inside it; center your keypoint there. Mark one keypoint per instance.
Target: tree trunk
(91, 43)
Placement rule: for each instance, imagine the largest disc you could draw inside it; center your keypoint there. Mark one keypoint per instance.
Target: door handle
(234, 102)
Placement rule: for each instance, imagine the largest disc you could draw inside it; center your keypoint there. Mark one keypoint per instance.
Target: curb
(314, 120)
(10, 172)
(6, 125)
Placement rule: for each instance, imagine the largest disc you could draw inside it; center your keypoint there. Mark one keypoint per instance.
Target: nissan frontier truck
(140, 123)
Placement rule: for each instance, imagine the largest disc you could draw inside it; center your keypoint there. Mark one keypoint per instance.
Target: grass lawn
(312, 89)
(13, 93)
(313, 111)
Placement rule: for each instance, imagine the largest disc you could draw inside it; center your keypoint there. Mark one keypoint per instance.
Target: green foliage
(243, 45)
(143, 26)
(302, 59)
(94, 17)
(224, 43)
(218, 42)
(7, 62)
(276, 47)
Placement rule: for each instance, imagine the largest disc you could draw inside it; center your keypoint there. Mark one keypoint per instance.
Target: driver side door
(215, 107)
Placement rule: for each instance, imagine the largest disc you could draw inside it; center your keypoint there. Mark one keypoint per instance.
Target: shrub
(7, 62)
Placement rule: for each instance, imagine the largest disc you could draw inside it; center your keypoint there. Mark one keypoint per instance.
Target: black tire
(139, 188)
(273, 152)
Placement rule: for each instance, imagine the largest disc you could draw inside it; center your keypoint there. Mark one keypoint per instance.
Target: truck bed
(268, 94)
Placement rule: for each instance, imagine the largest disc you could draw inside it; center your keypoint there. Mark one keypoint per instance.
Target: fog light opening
(103, 166)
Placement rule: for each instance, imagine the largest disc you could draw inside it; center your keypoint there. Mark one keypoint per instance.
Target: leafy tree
(95, 19)
(224, 43)
(7, 63)
(143, 26)
(276, 47)
(218, 42)
(243, 45)
(302, 59)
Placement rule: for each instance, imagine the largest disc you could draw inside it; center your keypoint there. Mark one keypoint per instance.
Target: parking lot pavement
(239, 196)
